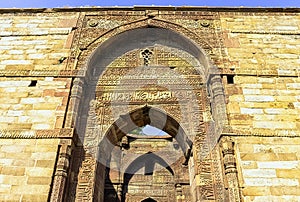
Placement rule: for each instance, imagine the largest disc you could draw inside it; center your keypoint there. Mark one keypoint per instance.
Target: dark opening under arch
(148, 200)
(148, 161)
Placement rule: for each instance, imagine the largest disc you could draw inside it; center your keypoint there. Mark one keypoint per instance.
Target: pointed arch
(147, 161)
(97, 55)
(142, 117)
(134, 34)
(146, 32)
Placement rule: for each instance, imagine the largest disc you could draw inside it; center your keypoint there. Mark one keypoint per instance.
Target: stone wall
(257, 52)
(32, 41)
(269, 168)
(26, 168)
(263, 102)
(33, 103)
(262, 43)
(265, 52)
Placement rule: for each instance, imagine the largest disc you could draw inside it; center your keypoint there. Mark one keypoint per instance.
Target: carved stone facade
(222, 83)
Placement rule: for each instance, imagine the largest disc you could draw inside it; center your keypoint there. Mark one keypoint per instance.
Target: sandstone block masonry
(26, 168)
(269, 168)
(33, 103)
(256, 51)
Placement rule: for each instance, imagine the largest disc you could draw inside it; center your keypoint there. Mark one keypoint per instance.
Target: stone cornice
(37, 134)
(158, 8)
(257, 132)
(42, 73)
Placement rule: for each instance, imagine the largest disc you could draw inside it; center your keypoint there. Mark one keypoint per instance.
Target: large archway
(125, 156)
(147, 116)
(153, 67)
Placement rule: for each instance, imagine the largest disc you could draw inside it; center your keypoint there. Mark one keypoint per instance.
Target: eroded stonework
(223, 83)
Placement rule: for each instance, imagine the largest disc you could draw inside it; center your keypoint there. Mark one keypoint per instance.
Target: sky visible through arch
(148, 131)
(214, 3)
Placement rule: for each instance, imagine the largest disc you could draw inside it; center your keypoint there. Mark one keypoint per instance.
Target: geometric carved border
(60, 73)
(37, 134)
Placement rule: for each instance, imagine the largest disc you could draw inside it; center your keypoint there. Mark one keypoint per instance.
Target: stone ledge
(42, 73)
(36, 32)
(37, 134)
(229, 131)
(279, 32)
(81, 73)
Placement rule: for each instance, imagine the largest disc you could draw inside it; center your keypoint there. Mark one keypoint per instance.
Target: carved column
(120, 192)
(218, 102)
(61, 172)
(179, 196)
(231, 178)
(73, 105)
(87, 190)
(86, 179)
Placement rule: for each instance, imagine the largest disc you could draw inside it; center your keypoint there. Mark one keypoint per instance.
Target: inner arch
(142, 117)
(147, 161)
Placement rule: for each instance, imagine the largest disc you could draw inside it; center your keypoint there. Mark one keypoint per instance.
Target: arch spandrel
(146, 23)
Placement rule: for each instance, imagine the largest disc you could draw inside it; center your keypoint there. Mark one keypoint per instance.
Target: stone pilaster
(231, 178)
(61, 172)
(75, 97)
(179, 196)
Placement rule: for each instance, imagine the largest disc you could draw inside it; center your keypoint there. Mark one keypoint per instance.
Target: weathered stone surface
(259, 173)
(270, 168)
(22, 175)
(48, 71)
